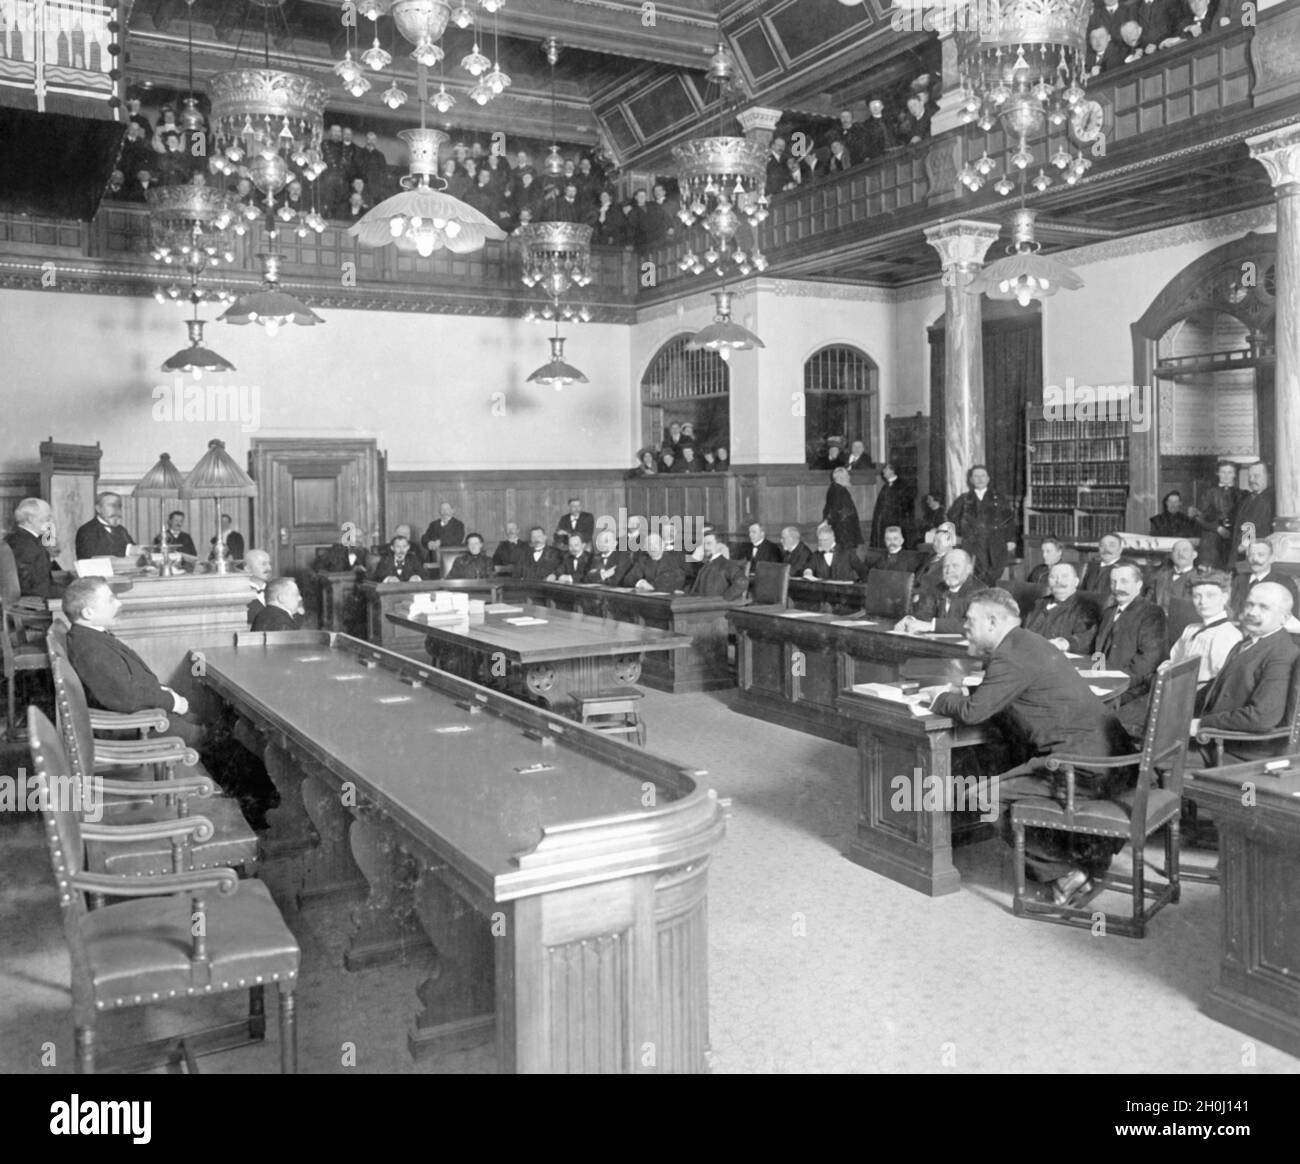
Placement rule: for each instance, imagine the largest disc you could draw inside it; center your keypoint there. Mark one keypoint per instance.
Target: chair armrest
(224, 881)
(158, 750)
(161, 830)
(148, 790)
(129, 720)
(1209, 734)
(1061, 759)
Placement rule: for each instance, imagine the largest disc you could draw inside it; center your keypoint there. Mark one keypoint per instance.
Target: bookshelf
(1078, 477)
(907, 448)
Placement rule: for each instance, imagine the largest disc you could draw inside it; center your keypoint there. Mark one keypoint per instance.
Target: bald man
(944, 610)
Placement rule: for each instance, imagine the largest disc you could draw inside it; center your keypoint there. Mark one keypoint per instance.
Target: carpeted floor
(815, 963)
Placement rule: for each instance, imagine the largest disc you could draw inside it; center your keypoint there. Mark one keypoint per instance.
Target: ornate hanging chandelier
(557, 256)
(192, 220)
(1024, 275)
(721, 180)
(423, 219)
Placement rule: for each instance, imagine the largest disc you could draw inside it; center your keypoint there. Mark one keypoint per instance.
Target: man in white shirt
(1214, 636)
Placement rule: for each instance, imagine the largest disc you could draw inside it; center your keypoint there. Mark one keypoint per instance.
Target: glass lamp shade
(196, 358)
(556, 372)
(425, 220)
(164, 480)
(1025, 276)
(724, 335)
(217, 475)
(270, 307)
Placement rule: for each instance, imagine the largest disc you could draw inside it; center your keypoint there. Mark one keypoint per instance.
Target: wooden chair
(887, 593)
(1179, 615)
(1285, 739)
(447, 556)
(770, 584)
(613, 712)
(20, 619)
(1025, 594)
(177, 935)
(134, 801)
(1151, 806)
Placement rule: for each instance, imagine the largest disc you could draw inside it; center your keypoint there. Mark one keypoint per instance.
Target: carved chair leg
(1171, 860)
(288, 1033)
(257, 1012)
(1139, 891)
(1019, 831)
(84, 1043)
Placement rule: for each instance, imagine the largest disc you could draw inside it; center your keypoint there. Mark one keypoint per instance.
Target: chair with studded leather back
(139, 801)
(1025, 594)
(1149, 807)
(770, 583)
(22, 622)
(887, 593)
(176, 935)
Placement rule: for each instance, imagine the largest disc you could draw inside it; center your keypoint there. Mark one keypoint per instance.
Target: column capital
(758, 122)
(963, 242)
(1278, 151)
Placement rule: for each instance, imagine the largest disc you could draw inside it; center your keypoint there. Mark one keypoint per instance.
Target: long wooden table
(1258, 817)
(560, 875)
(384, 598)
(567, 654)
(791, 665)
(701, 667)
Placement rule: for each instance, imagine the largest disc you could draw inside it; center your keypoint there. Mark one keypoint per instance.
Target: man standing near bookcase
(1215, 519)
(986, 526)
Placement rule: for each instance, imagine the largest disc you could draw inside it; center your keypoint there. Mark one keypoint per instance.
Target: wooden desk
(383, 598)
(806, 594)
(791, 667)
(702, 667)
(568, 913)
(337, 604)
(569, 654)
(1259, 869)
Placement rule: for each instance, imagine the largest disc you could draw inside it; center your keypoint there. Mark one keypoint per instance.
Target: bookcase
(907, 448)
(1078, 477)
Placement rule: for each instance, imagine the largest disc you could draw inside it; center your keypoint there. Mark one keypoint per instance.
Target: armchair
(21, 620)
(176, 935)
(770, 584)
(1151, 806)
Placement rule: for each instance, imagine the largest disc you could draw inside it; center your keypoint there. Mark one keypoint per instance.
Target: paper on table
(527, 621)
(1100, 690)
(893, 694)
(798, 614)
(1104, 674)
(851, 622)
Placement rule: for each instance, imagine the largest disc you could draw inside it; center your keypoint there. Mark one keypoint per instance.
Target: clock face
(1087, 120)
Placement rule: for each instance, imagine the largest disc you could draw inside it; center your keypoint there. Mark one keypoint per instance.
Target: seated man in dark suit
(1171, 521)
(284, 609)
(257, 565)
(1253, 518)
(1048, 706)
(178, 541)
(657, 569)
(794, 553)
(830, 563)
(1096, 576)
(104, 536)
(576, 521)
(759, 548)
(539, 562)
(446, 530)
(1250, 693)
(575, 561)
(33, 524)
(894, 558)
(719, 577)
(608, 565)
(1260, 559)
(114, 676)
(510, 549)
(1174, 578)
(473, 563)
(231, 539)
(944, 610)
(1062, 617)
(1131, 636)
(1052, 552)
(929, 577)
(346, 554)
(399, 564)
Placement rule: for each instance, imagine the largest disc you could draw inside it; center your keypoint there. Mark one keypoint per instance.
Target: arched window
(840, 399)
(686, 387)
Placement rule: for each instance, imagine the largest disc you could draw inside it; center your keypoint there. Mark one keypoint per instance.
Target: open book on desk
(895, 694)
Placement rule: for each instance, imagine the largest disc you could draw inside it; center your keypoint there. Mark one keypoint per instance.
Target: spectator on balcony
(469, 167)
(688, 463)
(1110, 15)
(499, 176)
(356, 208)
(166, 130)
(137, 117)
(567, 208)
(137, 154)
(457, 184)
(293, 198)
(833, 457)
(667, 461)
(775, 180)
(914, 122)
(1104, 56)
(333, 182)
(663, 211)
(173, 166)
(645, 466)
(484, 198)
(526, 195)
(1132, 41)
(358, 186)
(796, 174)
(876, 134)
(638, 221)
(608, 225)
(116, 188)
(721, 460)
(1197, 19)
(590, 183)
(838, 160)
(1159, 21)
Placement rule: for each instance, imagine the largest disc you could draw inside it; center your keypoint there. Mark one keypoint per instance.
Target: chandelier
(269, 306)
(191, 223)
(724, 335)
(1024, 275)
(1022, 66)
(557, 256)
(423, 219)
(270, 121)
(721, 180)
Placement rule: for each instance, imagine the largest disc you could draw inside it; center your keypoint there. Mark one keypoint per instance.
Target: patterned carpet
(816, 965)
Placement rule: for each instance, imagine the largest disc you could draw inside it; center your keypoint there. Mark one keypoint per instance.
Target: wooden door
(308, 489)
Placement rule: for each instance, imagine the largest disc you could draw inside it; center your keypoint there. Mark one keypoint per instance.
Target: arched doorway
(841, 400)
(684, 386)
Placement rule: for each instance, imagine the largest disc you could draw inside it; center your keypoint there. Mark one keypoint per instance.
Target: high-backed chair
(1151, 806)
(1025, 594)
(887, 593)
(233, 843)
(770, 583)
(447, 556)
(177, 935)
(1285, 739)
(1179, 615)
(22, 621)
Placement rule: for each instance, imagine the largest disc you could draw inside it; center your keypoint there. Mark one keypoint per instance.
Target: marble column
(1279, 153)
(759, 123)
(962, 245)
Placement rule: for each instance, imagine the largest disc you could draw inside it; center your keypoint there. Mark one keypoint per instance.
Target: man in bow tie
(539, 561)
(831, 563)
(104, 536)
(608, 564)
(1174, 578)
(257, 564)
(944, 610)
(1061, 616)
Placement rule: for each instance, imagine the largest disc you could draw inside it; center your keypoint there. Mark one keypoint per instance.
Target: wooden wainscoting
(486, 499)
